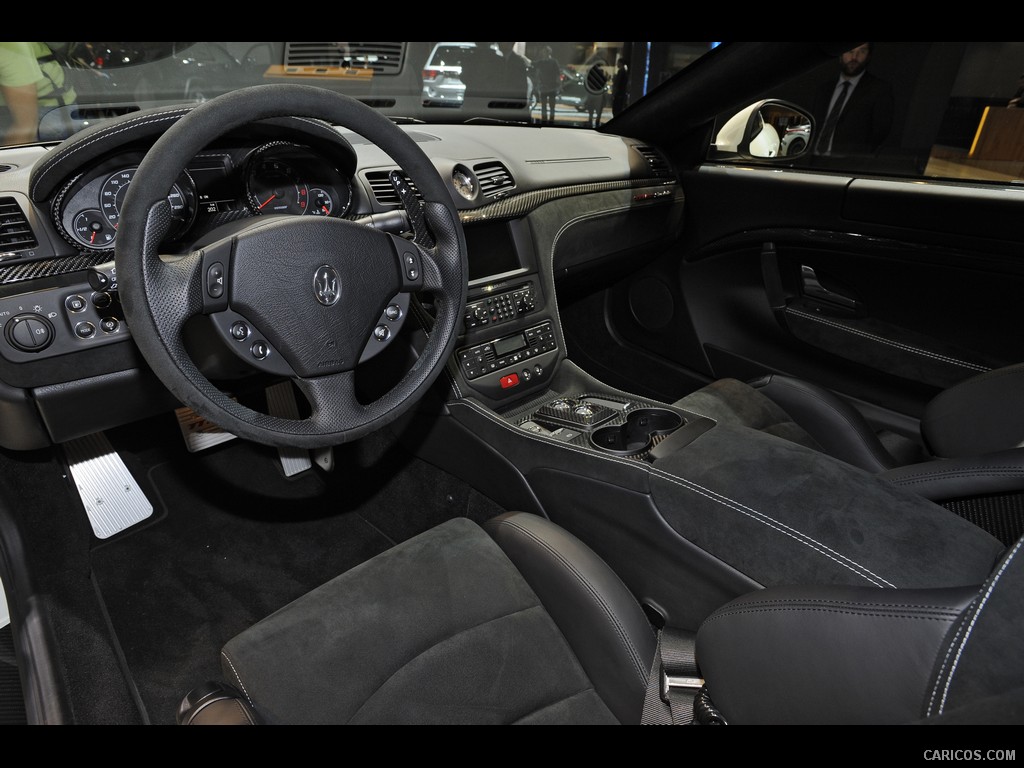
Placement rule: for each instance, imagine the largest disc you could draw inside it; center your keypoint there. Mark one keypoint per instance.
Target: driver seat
(517, 621)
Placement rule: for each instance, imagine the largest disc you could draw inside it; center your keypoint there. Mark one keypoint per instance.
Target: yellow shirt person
(31, 84)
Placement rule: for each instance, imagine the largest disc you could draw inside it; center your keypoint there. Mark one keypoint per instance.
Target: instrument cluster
(276, 178)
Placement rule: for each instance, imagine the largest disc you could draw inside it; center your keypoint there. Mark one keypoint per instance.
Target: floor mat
(12, 703)
(178, 587)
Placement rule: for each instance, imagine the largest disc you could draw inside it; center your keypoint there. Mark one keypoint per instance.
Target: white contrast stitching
(974, 620)
(890, 342)
(153, 118)
(239, 679)
(803, 538)
(723, 500)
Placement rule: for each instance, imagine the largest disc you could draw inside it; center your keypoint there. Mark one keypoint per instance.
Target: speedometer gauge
(113, 191)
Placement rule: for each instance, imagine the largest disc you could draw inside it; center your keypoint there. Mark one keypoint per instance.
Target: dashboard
(534, 203)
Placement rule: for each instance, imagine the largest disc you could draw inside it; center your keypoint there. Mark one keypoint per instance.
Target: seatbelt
(676, 694)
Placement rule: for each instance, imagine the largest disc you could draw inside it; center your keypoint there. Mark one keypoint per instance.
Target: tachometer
(274, 187)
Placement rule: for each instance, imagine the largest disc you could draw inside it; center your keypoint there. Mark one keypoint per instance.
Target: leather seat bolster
(840, 429)
(970, 476)
(827, 655)
(980, 415)
(602, 621)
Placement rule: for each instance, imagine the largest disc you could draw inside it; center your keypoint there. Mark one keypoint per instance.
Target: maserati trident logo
(326, 286)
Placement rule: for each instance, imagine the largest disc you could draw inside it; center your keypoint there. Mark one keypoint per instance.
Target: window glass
(50, 90)
(949, 110)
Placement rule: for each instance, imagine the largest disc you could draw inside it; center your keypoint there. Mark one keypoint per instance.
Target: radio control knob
(480, 313)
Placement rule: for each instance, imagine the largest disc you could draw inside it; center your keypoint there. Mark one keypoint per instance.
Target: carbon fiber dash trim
(520, 205)
(16, 273)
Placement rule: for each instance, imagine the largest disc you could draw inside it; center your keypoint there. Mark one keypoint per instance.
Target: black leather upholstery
(942, 479)
(839, 428)
(605, 627)
(836, 655)
(444, 629)
(980, 415)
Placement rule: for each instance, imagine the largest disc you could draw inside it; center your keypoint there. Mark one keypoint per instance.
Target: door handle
(812, 288)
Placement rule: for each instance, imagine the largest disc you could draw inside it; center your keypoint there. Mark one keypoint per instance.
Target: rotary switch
(29, 332)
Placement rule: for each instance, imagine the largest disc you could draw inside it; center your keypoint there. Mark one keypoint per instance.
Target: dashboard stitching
(154, 118)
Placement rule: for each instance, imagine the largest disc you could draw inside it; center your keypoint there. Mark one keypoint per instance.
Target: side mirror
(765, 130)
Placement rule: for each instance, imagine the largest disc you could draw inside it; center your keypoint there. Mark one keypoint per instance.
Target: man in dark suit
(854, 113)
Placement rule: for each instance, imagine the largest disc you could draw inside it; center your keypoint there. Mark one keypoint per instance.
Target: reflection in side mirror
(765, 130)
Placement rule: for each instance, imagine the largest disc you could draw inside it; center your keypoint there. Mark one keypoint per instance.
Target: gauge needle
(324, 209)
(273, 196)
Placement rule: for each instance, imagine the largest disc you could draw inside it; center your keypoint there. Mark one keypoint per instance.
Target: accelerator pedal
(111, 497)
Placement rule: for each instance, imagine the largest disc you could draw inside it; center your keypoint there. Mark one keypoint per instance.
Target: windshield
(48, 91)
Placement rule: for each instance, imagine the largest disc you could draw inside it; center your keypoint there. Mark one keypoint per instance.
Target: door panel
(886, 291)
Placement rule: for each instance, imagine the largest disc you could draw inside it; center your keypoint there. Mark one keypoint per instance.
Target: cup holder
(637, 434)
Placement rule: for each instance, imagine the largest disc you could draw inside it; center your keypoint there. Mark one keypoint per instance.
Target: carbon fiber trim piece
(520, 205)
(32, 270)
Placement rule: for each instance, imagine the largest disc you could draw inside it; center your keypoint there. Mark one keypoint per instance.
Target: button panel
(500, 308)
(59, 321)
(493, 356)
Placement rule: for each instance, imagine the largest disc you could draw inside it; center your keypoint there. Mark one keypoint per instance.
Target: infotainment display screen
(491, 249)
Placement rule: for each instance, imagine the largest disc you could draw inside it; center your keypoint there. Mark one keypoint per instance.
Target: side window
(910, 109)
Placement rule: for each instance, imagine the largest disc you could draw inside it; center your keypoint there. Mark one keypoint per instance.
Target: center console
(690, 511)
(510, 342)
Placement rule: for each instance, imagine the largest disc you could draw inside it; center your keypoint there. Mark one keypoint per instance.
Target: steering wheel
(313, 288)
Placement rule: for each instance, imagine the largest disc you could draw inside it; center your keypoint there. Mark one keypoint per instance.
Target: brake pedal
(281, 402)
(111, 497)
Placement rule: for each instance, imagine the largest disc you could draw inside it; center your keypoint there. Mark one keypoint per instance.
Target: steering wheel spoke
(332, 399)
(322, 293)
(176, 292)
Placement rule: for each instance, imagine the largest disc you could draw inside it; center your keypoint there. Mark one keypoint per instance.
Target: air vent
(655, 162)
(495, 179)
(382, 190)
(382, 58)
(6, 168)
(15, 233)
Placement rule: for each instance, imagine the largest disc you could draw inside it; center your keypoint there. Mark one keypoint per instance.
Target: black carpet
(12, 704)
(232, 540)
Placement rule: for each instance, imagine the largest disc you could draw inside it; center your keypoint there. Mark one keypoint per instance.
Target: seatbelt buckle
(671, 683)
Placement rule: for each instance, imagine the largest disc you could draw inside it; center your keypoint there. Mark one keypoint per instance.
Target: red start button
(512, 380)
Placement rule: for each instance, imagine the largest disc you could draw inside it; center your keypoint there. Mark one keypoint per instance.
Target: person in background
(620, 86)
(855, 110)
(31, 85)
(514, 82)
(548, 74)
(597, 86)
